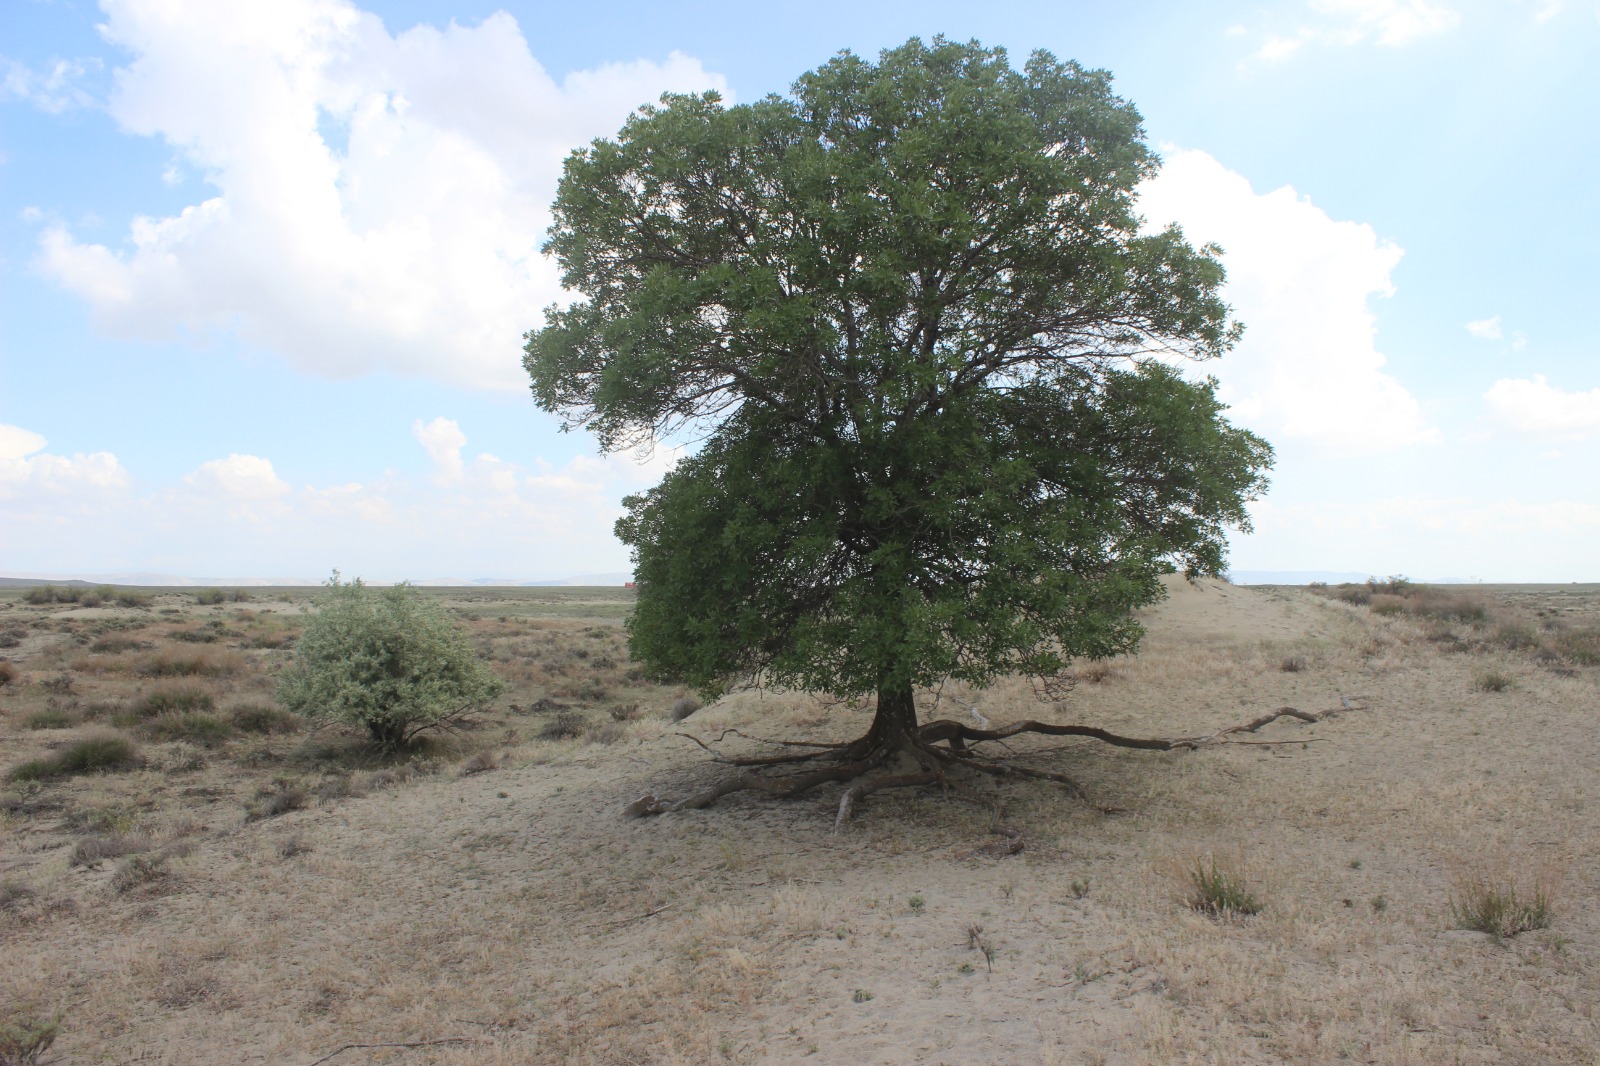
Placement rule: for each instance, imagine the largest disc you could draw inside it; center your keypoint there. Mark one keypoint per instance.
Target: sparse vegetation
(1218, 888)
(1502, 904)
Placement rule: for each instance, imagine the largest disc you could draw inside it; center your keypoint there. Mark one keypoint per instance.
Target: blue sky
(264, 267)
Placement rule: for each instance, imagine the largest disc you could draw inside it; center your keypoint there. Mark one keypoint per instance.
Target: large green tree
(908, 320)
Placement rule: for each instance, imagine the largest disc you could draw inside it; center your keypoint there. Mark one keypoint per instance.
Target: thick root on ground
(931, 756)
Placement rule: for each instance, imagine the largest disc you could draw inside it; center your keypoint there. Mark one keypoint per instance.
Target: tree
(910, 320)
(390, 661)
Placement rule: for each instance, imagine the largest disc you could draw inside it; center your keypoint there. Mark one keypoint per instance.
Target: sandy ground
(518, 915)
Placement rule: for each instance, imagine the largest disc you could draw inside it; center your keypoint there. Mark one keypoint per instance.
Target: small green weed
(1219, 891)
(1500, 905)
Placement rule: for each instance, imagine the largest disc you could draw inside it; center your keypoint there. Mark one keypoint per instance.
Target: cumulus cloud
(1308, 366)
(239, 477)
(1387, 23)
(380, 198)
(1487, 329)
(443, 440)
(1536, 407)
(26, 471)
(237, 517)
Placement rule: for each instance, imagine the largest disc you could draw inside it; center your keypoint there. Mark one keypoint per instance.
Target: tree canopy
(925, 356)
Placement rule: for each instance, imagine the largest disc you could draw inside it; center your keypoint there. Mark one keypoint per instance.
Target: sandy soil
(515, 913)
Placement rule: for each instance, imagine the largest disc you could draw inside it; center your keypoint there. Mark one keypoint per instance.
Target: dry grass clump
(276, 799)
(141, 873)
(199, 729)
(191, 662)
(104, 753)
(51, 718)
(94, 850)
(14, 894)
(263, 718)
(1502, 904)
(173, 699)
(1492, 681)
(482, 762)
(8, 672)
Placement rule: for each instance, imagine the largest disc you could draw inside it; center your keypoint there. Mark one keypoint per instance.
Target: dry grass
(410, 899)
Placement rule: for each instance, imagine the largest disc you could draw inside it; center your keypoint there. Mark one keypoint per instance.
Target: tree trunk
(896, 721)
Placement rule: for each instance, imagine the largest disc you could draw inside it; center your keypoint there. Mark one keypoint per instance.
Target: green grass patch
(1219, 890)
(98, 754)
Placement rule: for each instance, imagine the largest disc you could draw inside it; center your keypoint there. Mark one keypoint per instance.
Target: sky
(265, 267)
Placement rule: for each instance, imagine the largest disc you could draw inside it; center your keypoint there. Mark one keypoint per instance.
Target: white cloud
(443, 440)
(239, 477)
(1301, 282)
(1539, 408)
(57, 88)
(1487, 329)
(380, 199)
(1387, 23)
(237, 517)
(16, 442)
(28, 473)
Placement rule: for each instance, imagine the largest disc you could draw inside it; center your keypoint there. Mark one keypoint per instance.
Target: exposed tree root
(929, 756)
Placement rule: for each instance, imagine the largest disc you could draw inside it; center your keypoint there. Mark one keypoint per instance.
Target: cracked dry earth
(515, 917)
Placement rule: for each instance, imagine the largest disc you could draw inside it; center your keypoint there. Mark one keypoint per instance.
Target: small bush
(1500, 906)
(139, 872)
(8, 672)
(480, 763)
(93, 850)
(201, 729)
(263, 718)
(132, 598)
(277, 800)
(173, 699)
(565, 726)
(1293, 664)
(40, 594)
(1580, 646)
(684, 707)
(98, 754)
(1219, 891)
(51, 718)
(391, 661)
(1492, 681)
(25, 1037)
(191, 662)
(115, 643)
(14, 894)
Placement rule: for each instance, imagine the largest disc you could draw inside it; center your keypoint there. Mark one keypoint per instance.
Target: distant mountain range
(12, 579)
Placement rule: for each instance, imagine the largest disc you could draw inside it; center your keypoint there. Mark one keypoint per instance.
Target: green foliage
(1220, 890)
(25, 1037)
(96, 754)
(390, 661)
(908, 313)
